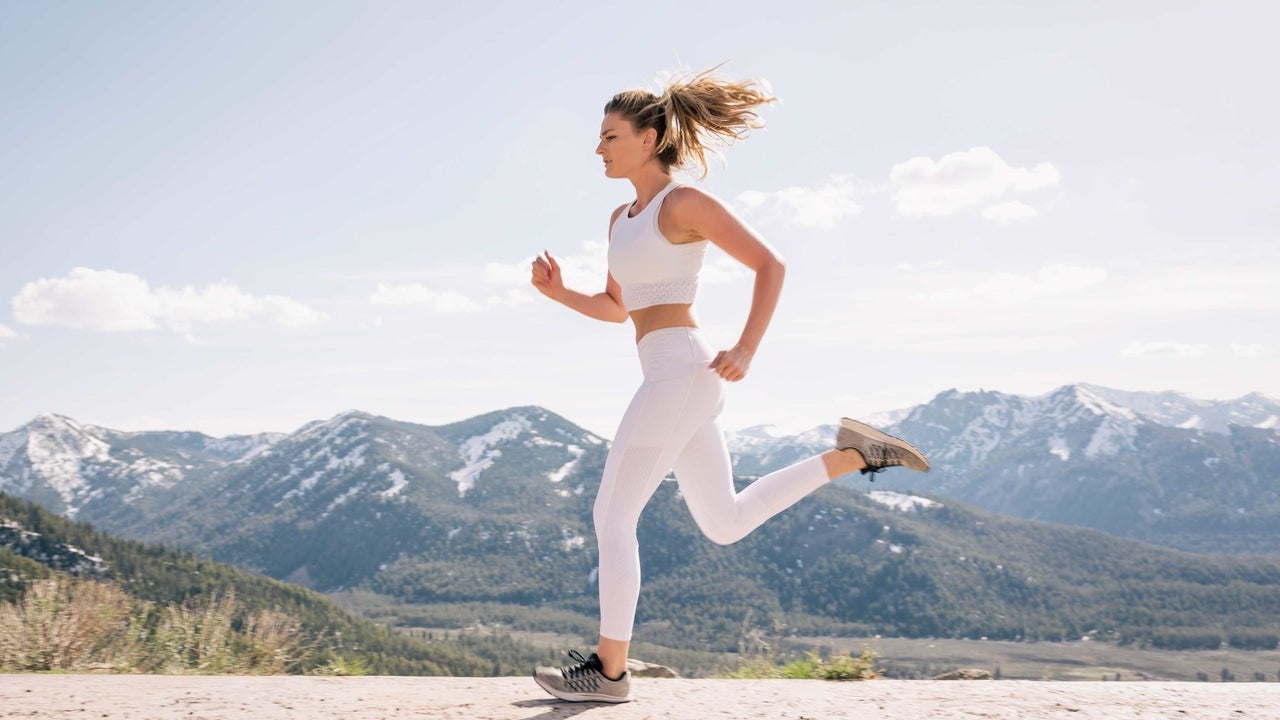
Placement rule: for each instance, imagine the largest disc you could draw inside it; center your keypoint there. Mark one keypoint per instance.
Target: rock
(640, 668)
(965, 674)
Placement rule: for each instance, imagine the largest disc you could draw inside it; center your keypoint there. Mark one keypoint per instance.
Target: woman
(656, 246)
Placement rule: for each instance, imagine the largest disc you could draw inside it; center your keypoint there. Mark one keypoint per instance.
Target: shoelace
(878, 457)
(582, 675)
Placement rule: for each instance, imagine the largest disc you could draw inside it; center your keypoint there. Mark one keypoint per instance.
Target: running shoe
(583, 681)
(879, 450)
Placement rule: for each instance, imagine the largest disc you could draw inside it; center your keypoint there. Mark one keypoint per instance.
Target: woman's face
(622, 148)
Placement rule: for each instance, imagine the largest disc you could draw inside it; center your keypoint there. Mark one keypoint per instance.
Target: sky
(238, 217)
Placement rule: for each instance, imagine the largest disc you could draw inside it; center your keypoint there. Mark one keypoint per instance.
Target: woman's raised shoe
(879, 450)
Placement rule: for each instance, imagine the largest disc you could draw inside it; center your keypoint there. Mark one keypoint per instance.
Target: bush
(71, 624)
(762, 661)
(67, 624)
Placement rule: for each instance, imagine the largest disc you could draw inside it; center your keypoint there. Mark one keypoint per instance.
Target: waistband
(654, 336)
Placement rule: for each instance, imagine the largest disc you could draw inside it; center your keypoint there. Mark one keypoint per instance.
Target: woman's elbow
(775, 266)
(619, 314)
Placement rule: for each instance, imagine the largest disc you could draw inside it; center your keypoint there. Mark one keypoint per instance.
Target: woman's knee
(614, 537)
(720, 533)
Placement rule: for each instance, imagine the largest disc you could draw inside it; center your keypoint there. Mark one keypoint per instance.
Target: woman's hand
(546, 276)
(732, 364)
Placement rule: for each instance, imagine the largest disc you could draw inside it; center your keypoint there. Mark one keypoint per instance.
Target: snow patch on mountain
(398, 482)
(1111, 438)
(901, 501)
(570, 541)
(343, 498)
(64, 557)
(148, 472)
(479, 451)
(1059, 447)
(558, 475)
(1100, 405)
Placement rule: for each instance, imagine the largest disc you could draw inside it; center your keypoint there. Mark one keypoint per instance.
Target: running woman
(656, 248)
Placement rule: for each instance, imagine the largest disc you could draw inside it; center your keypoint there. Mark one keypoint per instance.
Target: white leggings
(671, 425)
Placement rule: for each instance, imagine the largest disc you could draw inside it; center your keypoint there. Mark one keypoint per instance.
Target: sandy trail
(169, 697)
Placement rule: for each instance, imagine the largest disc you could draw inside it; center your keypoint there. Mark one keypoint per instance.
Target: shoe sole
(581, 697)
(887, 439)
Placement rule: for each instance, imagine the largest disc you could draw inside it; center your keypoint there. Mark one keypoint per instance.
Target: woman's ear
(649, 138)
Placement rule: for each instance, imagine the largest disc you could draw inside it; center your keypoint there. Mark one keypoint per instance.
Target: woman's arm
(699, 216)
(601, 306)
(605, 306)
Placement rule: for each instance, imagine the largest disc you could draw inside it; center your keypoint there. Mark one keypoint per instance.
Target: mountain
(36, 544)
(73, 469)
(1148, 466)
(497, 509)
(1178, 410)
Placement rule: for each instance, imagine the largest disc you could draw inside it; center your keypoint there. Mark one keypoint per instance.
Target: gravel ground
(174, 697)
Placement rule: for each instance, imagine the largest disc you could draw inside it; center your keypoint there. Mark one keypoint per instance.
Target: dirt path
(143, 697)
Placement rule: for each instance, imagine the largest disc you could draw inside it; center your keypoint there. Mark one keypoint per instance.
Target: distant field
(1058, 661)
(899, 657)
(924, 658)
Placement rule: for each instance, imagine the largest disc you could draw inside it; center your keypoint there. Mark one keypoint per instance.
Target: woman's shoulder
(690, 199)
(618, 212)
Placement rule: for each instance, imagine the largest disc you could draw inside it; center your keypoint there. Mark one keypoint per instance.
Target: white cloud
(223, 302)
(820, 207)
(513, 296)
(1245, 350)
(6, 334)
(1008, 213)
(111, 301)
(961, 180)
(1162, 349)
(587, 266)
(445, 301)
(940, 308)
(1015, 289)
(86, 299)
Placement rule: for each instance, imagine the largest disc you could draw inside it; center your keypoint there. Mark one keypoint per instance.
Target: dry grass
(70, 624)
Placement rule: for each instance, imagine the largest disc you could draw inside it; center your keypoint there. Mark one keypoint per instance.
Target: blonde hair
(693, 114)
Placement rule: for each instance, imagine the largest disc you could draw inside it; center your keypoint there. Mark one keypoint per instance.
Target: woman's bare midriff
(657, 317)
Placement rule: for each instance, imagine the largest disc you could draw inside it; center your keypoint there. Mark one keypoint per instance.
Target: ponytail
(694, 115)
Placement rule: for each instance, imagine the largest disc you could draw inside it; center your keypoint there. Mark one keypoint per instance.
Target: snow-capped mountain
(1132, 464)
(757, 450)
(72, 468)
(337, 501)
(497, 509)
(1178, 410)
(358, 496)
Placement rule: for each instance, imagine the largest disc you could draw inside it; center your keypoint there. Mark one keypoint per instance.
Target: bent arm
(605, 306)
(706, 217)
(601, 306)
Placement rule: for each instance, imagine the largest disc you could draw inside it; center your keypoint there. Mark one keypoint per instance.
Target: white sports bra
(650, 269)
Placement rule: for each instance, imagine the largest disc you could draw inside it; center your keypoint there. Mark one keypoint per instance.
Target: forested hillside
(35, 544)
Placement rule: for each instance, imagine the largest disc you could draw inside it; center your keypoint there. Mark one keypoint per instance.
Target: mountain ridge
(497, 509)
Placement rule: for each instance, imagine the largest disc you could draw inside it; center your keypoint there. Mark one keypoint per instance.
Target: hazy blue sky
(242, 216)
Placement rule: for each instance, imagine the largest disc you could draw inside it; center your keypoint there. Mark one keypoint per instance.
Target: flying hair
(695, 114)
